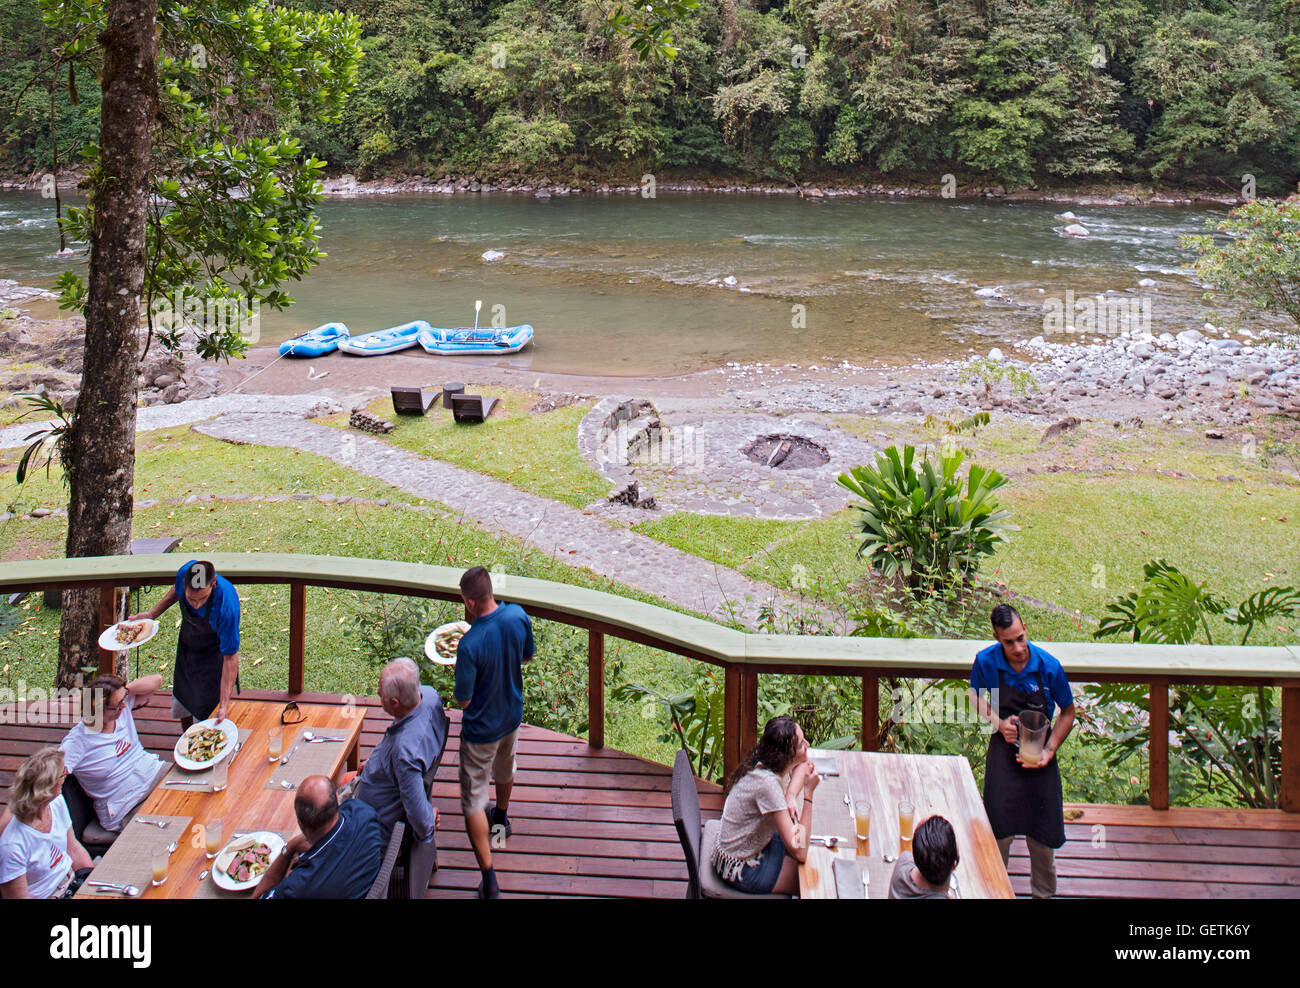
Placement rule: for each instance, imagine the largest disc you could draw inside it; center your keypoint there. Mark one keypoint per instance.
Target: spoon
(171, 848)
(160, 824)
(849, 803)
(313, 739)
(130, 891)
(203, 874)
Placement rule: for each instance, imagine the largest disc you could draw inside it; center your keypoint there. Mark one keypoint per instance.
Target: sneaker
(496, 818)
(489, 889)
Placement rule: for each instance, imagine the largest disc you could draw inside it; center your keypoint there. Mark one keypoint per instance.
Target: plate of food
(443, 641)
(127, 634)
(205, 744)
(241, 864)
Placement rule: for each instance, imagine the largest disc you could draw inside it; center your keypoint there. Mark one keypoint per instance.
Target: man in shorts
(490, 691)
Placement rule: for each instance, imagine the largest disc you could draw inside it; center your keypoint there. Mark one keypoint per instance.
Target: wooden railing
(743, 656)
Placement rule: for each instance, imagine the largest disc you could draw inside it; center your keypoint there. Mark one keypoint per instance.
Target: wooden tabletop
(933, 784)
(246, 803)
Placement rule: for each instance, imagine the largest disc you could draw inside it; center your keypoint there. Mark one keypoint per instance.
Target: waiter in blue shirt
(207, 651)
(1020, 799)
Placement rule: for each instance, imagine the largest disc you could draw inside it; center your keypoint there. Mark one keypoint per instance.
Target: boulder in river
(492, 255)
(1075, 230)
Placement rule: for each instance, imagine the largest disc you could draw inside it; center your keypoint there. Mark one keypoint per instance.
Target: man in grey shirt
(924, 872)
(393, 778)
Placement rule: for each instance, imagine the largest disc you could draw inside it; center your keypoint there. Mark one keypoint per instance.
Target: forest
(1018, 91)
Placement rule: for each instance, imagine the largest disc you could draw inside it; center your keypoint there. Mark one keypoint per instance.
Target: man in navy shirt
(338, 853)
(490, 691)
(1019, 796)
(207, 651)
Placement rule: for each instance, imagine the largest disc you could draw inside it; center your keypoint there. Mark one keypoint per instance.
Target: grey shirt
(902, 886)
(393, 779)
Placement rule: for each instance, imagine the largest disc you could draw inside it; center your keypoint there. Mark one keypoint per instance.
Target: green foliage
(1229, 735)
(232, 211)
(53, 440)
(1260, 264)
(918, 524)
(694, 719)
(993, 372)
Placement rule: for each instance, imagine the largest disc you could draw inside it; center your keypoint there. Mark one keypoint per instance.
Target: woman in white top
(104, 750)
(763, 837)
(39, 856)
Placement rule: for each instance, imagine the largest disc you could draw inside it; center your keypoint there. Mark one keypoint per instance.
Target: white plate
(431, 650)
(108, 640)
(232, 738)
(231, 851)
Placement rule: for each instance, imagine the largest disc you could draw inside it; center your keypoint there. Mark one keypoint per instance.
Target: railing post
(297, 634)
(1159, 744)
(748, 709)
(107, 618)
(595, 688)
(1290, 800)
(870, 713)
(731, 721)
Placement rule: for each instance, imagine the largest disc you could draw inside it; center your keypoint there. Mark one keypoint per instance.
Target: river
(620, 285)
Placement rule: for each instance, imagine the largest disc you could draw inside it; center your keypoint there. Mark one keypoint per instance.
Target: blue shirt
(221, 610)
(488, 673)
(392, 780)
(341, 865)
(984, 674)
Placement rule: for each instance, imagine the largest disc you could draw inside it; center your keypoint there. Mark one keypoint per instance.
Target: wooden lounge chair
(472, 408)
(412, 401)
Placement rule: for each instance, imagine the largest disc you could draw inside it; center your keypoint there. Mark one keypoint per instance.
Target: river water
(620, 284)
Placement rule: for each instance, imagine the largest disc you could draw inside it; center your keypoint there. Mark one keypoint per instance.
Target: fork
(160, 824)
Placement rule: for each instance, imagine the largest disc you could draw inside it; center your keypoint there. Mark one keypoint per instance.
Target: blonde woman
(40, 857)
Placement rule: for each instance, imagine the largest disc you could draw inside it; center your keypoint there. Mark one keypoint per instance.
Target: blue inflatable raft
(385, 340)
(317, 343)
(511, 339)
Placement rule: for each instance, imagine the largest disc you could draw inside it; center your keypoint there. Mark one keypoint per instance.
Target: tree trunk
(101, 460)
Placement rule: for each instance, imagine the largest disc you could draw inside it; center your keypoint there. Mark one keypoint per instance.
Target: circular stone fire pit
(784, 451)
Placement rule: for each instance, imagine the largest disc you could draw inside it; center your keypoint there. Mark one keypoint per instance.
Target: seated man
(923, 872)
(392, 781)
(337, 855)
(104, 751)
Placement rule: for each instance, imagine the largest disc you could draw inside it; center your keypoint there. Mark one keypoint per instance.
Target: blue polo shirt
(984, 674)
(221, 611)
(341, 865)
(488, 673)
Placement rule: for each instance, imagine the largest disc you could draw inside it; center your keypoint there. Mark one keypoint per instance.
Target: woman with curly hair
(763, 837)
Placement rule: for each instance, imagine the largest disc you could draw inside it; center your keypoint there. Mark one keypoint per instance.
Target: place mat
(848, 879)
(307, 759)
(129, 860)
(204, 775)
(209, 889)
(831, 815)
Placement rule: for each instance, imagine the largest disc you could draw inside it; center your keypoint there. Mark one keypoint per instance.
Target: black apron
(1022, 800)
(197, 683)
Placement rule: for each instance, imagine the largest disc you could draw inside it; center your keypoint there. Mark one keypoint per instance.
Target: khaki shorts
(481, 763)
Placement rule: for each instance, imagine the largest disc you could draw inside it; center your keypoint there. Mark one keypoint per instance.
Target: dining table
(258, 796)
(933, 784)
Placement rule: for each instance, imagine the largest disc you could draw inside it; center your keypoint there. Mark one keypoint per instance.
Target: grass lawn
(535, 452)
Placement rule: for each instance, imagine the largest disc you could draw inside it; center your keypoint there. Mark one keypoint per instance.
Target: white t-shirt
(43, 858)
(115, 769)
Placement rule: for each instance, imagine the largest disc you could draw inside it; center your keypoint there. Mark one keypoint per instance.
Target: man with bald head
(338, 853)
(393, 778)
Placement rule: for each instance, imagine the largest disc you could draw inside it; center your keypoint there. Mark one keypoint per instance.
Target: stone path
(578, 537)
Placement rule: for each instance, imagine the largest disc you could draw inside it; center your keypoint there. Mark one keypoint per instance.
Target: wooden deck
(599, 823)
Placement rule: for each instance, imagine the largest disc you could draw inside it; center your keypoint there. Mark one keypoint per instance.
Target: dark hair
(775, 749)
(98, 690)
(1003, 615)
(193, 580)
(934, 849)
(476, 584)
(314, 813)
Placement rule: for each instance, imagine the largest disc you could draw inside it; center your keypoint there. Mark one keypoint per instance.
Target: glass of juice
(273, 743)
(905, 813)
(212, 837)
(162, 857)
(862, 815)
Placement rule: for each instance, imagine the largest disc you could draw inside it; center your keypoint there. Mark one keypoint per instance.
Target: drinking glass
(905, 812)
(273, 743)
(212, 837)
(862, 815)
(220, 773)
(162, 857)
